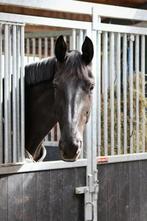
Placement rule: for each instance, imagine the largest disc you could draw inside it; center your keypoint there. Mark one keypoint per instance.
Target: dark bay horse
(59, 89)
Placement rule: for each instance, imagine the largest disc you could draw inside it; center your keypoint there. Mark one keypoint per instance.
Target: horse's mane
(40, 71)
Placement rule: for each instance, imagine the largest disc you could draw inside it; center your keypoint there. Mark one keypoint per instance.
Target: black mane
(40, 71)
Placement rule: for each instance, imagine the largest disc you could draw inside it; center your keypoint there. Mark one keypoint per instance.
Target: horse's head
(73, 83)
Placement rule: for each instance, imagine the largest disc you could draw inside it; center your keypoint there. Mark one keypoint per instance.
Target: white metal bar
(1, 98)
(137, 90)
(121, 28)
(52, 46)
(18, 92)
(125, 143)
(131, 90)
(143, 89)
(14, 96)
(82, 8)
(40, 48)
(73, 39)
(34, 48)
(46, 47)
(120, 12)
(112, 73)
(118, 68)
(99, 91)
(122, 158)
(6, 94)
(53, 22)
(28, 49)
(105, 95)
(40, 166)
(22, 76)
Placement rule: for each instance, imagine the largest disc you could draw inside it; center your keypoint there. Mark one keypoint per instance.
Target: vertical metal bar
(28, 49)
(22, 154)
(18, 92)
(1, 98)
(52, 46)
(46, 47)
(131, 90)
(105, 95)
(40, 48)
(73, 41)
(137, 90)
(99, 91)
(118, 47)
(125, 143)
(143, 88)
(112, 90)
(6, 92)
(14, 95)
(34, 48)
(81, 38)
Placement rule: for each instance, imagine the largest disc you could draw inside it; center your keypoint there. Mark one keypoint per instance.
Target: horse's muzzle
(70, 151)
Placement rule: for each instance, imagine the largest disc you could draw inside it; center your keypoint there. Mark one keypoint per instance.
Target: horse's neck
(40, 114)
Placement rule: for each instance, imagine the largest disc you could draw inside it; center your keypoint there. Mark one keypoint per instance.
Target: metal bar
(34, 48)
(22, 75)
(99, 91)
(46, 47)
(112, 72)
(137, 90)
(143, 89)
(105, 95)
(131, 90)
(125, 143)
(123, 158)
(28, 49)
(1, 97)
(40, 48)
(40, 166)
(118, 68)
(52, 46)
(73, 42)
(6, 94)
(124, 28)
(14, 96)
(18, 92)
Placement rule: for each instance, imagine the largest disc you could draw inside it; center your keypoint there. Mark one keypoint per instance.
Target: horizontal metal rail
(40, 166)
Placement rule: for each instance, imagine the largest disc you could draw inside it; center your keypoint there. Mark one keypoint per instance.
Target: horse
(59, 89)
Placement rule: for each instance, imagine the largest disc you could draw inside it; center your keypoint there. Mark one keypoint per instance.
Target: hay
(142, 106)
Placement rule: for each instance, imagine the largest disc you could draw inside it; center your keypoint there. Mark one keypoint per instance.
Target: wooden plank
(103, 193)
(134, 193)
(29, 196)
(15, 198)
(3, 197)
(43, 196)
(70, 199)
(56, 195)
(113, 192)
(143, 190)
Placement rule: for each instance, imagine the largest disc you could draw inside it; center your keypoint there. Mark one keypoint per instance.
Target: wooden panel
(29, 196)
(3, 198)
(15, 198)
(143, 191)
(123, 191)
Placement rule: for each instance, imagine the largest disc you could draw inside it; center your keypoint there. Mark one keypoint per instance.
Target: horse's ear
(87, 50)
(60, 49)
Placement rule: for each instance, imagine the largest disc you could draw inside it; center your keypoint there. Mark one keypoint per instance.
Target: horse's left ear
(60, 48)
(87, 50)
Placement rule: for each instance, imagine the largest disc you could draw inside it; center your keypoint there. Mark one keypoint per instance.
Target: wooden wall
(123, 192)
(42, 196)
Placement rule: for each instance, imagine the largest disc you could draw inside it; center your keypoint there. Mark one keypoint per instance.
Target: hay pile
(142, 107)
